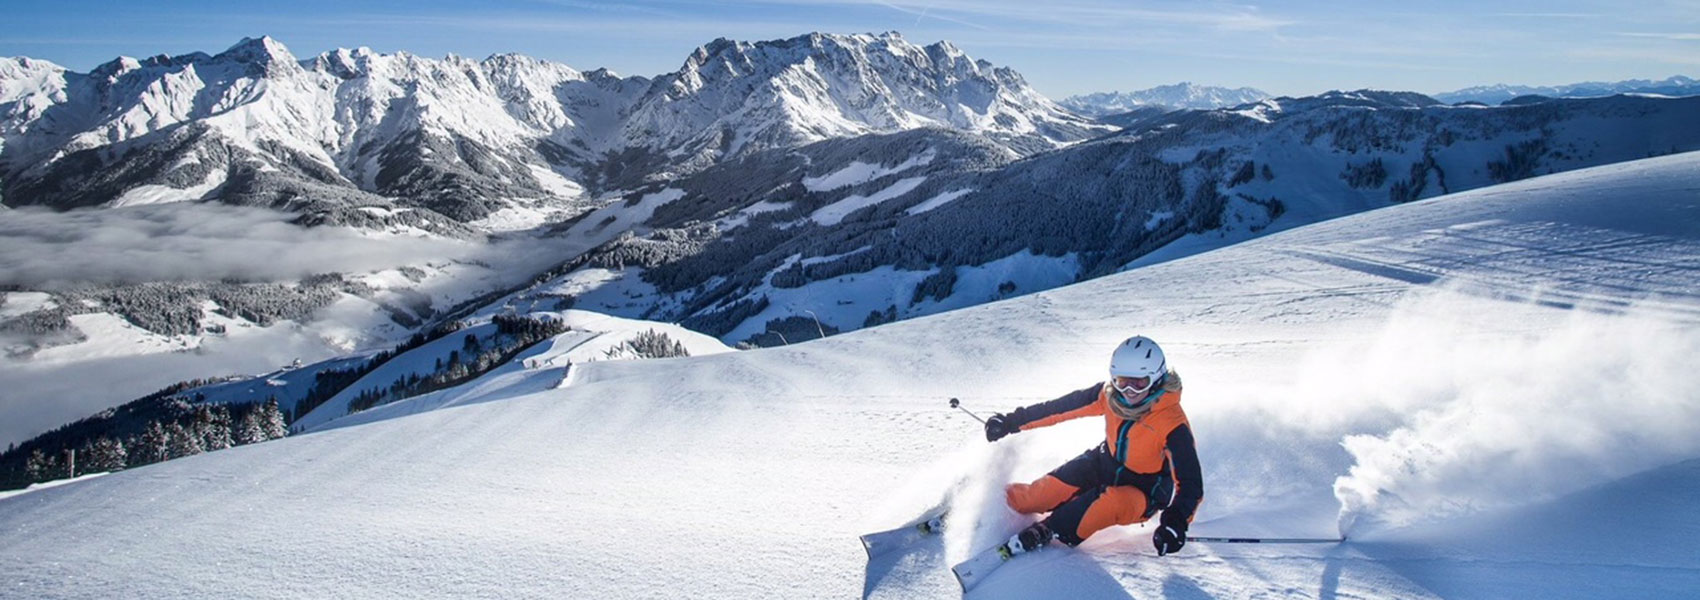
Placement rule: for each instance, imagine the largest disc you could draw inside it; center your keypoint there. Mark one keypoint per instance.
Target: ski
(1253, 540)
(971, 572)
(881, 542)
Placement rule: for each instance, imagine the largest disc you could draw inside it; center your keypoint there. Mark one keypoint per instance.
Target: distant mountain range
(1121, 108)
(1171, 97)
(1496, 94)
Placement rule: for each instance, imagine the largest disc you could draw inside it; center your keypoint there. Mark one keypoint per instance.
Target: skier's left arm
(1073, 405)
(1189, 479)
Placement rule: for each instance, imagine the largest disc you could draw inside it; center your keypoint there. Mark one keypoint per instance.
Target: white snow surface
(858, 172)
(937, 201)
(158, 194)
(1491, 394)
(742, 217)
(833, 214)
(591, 338)
(13, 304)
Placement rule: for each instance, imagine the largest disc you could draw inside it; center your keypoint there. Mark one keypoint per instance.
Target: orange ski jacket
(1155, 447)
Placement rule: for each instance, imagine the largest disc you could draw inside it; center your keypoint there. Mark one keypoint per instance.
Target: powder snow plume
(978, 496)
(1460, 422)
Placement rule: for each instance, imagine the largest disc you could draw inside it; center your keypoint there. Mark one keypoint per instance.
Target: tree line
(330, 382)
(172, 422)
(514, 333)
(194, 430)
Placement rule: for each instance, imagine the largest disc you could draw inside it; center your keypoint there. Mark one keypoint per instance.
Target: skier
(1147, 463)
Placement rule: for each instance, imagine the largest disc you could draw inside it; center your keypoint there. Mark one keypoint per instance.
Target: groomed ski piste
(1490, 394)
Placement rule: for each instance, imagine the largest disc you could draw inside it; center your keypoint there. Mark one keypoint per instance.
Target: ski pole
(1252, 540)
(957, 404)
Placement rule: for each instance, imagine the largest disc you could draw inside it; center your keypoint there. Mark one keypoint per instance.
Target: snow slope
(1490, 392)
(592, 337)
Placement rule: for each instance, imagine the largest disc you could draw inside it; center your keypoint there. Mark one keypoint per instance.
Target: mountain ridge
(1677, 85)
(1183, 95)
(505, 127)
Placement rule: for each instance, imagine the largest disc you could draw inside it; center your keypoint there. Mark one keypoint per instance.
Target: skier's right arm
(1073, 405)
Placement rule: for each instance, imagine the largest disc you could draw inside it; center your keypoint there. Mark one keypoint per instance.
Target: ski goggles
(1131, 387)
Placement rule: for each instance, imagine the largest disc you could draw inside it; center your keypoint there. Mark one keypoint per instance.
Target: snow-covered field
(1491, 394)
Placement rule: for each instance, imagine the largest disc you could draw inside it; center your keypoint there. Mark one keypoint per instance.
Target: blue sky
(1063, 47)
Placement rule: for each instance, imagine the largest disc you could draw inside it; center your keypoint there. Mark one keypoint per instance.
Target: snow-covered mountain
(329, 135)
(731, 98)
(401, 148)
(352, 128)
(1425, 379)
(1171, 97)
(1495, 94)
(844, 234)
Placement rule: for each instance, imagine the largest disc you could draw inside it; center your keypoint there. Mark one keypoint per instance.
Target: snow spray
(1463, 421)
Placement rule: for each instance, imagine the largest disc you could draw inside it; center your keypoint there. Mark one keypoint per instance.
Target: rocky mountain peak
(13, 70)
(264, 55)
(164, 60)
(262, 49)
(116, 67)
(821, 85)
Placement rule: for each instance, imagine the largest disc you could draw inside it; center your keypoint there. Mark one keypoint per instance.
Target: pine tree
(155, 445)
(213, 425)
(249, 429)
(182, 442)
(103, 455)
(272, 420)
(37, 466)
(113, 455)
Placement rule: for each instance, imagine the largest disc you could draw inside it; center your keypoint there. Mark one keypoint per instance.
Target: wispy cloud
(68, 41)
(1682, 37)
(1080, 13)
(927, 12)
(611, 7)
(1526, 15)
(1636, 54)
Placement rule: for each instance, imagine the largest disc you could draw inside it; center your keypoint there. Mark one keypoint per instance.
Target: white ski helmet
(1137, 367)
(1139, 356)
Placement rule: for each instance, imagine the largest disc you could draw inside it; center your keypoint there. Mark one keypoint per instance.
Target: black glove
(1168, 539)
(996, 428)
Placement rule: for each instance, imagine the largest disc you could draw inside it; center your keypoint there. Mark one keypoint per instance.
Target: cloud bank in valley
(45, 250)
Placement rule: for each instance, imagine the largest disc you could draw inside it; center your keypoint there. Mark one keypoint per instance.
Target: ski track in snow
(1479, 459)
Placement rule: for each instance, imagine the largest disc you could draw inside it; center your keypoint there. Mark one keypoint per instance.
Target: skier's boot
(1032, 538)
